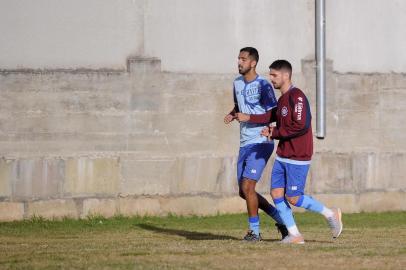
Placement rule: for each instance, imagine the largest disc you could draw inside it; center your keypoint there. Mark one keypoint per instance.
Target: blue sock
(309, 203)
(285, 212)
(273, 213)
(254, 224)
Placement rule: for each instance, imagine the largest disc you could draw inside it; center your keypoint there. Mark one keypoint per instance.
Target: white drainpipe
(320, 69)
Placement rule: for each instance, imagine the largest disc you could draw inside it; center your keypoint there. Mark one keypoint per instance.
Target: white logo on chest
(284, 111)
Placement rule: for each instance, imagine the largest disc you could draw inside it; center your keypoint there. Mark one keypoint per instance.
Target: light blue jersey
(255, 97)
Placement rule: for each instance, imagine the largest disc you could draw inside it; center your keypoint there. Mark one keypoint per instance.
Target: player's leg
(261, 156)
(269, 209)
(247, 192)
(251, 163)
(265, 206)
(248, 189)
(297, 175)
(278, 183)
(332, 215)
(256, 157)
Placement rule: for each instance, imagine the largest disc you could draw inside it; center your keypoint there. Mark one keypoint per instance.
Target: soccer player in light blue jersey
(254, 98)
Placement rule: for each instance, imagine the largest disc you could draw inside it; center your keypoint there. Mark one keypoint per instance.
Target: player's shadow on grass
(191, 235)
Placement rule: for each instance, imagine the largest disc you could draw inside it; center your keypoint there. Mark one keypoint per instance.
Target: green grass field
(369, 241)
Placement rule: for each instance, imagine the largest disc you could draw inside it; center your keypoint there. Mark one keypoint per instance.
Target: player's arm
(260, 118)
(235, 110)
(300, 120)
(233, 113)
(266, 118)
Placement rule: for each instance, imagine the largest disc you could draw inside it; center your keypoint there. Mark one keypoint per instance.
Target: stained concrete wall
(90, 124)
(80, 143)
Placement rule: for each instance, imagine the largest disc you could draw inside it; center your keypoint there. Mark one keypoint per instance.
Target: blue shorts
(252, 160)
(291, 177)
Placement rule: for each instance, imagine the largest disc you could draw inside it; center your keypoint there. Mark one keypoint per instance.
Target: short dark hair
(281, 64)
(251, 52)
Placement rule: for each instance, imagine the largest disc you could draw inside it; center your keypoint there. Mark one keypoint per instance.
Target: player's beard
(276, 86)
(243, 71)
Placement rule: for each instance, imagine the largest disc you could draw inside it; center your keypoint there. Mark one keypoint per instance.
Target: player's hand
(267, 132)
(242, 117)
(229, 118)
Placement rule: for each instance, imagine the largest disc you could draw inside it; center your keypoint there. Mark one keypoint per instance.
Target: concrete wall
(198, 36)
(366, 36)
(88, 128)
(70, 34)
(82, 143)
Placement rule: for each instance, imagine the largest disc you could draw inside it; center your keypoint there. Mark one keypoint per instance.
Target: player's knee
(292, 200)
(247, 188)
(245, 191)
(277, 193)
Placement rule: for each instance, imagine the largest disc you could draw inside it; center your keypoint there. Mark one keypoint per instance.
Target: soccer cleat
(252, 237)
(282, 229)
(335, 223)
(293, 239)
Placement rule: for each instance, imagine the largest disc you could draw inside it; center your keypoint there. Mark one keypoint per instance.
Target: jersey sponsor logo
(253, 171)
(299, 108)
(251, 95)
(284, 111)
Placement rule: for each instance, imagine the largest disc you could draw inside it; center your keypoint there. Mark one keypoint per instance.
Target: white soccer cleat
(335, 223)
(293, 239)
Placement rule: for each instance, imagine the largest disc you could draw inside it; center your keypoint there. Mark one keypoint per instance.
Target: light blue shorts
(252, 160)
(291, 177)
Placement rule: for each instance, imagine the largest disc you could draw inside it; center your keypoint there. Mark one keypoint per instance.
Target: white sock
(293, 230)
(327, 212)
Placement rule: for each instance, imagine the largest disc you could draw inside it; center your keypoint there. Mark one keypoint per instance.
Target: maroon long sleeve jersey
(293, 126)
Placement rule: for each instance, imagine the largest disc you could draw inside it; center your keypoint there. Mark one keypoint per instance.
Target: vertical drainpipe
(320, 70)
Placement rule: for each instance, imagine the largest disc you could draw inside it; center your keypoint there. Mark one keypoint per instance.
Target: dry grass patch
(369, 241)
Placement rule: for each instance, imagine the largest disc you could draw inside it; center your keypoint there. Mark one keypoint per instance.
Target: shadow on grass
(191, 235)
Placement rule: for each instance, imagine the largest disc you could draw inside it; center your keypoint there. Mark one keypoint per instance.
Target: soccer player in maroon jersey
(293, 156)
